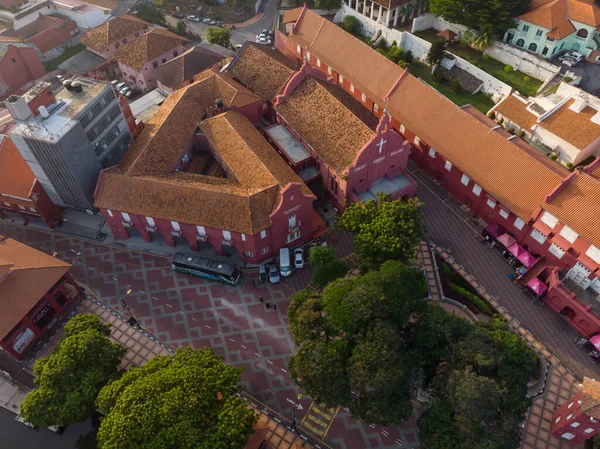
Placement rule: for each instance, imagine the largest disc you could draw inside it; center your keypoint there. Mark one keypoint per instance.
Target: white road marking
(169, 305)
(207, 326)
(231, 339)
(283, 370)
(269, 362)
(244, 347)
(257, 354)
(194, 319)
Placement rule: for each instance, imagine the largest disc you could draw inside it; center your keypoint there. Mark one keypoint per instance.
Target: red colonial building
(578, 419)
(20, 191)
(498, 177)
(35, 290)
(202, 175)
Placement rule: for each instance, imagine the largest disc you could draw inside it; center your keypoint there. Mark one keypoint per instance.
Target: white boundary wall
(521, 60)
(419, 48)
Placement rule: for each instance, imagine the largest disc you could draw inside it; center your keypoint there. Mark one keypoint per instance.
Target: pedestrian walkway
(318, 419)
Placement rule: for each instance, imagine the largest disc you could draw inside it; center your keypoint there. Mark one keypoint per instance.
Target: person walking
(260, 298)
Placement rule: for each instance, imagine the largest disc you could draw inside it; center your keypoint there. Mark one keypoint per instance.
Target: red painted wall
(20, 65)
(54, 36)
(566, 416)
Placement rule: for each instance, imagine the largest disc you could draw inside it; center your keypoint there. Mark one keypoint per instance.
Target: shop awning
(595, 340)
(537, 286)
(522, 255)
(506, 240)
(495, 230)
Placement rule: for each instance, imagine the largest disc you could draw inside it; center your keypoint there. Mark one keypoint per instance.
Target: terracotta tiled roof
(17, 179)
(260, 433)
(32, 274)
(240, 204)
(147, 47)
(590, 401)
(182, 68)
(291, 15)
(370, 72)
(111, 31)
(332, 129)
(551, 15)
(584, 11)
(576, 128)
(514, 109)
(262, 70)
(576, 204)
(447, 34)
(512, 176)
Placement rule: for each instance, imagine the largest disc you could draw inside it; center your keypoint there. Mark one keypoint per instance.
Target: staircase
(548, 85)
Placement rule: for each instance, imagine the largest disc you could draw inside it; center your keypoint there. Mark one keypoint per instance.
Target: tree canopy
(352, 342)
(150, 13)
(328, 4)
(327, 266)
(384, 229)
(351, 24)
(70, 378)
(485, 16)
(219, 36)
(436, 52)
(183, 401)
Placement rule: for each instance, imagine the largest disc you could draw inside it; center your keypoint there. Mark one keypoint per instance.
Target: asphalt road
(17, 436)
(239, 35)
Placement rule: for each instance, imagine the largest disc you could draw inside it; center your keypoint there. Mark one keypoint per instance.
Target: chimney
(220, 105)
(18, 108)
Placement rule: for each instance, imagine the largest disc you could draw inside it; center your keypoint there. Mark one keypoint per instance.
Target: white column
(372, 8)
(364, 11)
(387, 18)
(380, 16)
(396, 15)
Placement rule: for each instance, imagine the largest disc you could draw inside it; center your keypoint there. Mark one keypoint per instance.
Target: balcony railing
(226, 242)
(128, 224)
(151, 228)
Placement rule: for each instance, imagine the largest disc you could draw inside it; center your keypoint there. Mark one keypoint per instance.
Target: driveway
(590, 76)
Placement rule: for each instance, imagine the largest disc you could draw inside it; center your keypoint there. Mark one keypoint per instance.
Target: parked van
(284, 262)
(262, 273)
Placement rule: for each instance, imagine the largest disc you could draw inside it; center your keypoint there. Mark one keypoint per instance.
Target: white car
(571, 58)
(193, 19)
(267, 32)
(263, 40)
(121, 85)
(206, 21)
(299, 258)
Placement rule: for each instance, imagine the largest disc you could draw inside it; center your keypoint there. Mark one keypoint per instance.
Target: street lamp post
(131, 321)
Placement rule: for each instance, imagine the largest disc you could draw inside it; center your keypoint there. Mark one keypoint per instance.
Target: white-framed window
(417, 140)
(538, 236)
(549, 219)
(108, 211)
(588, 430)
(464, 180)
(201, 230)
(364, 98)
(503, 214)
(318, 62)
(556, 250)
(568, 436)
(308, 55)
(21, 207)
(575, 424)
(293, 236)
(432, 153)
(150, 221)
(570, 405)
(519, 224)
(593, 253)
(175, 226)
(491, 204)
(448, 165)
(125, 216)
(292, 222)
(298, 49)
(243, 237)
(249, 253)
(263, 234)
(568, 234)
(341, 80)
(557, 420)
(6, 203)
(402, 129)
(329, 70)
(32, 209)
(226, 235)
(265, 250)
(569, 416)
(376, 107)
(477, 189)
(351, 87)
(291, 197)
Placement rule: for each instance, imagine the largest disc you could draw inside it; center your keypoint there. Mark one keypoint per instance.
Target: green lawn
(68, 53)
(495, 68)
(480, 101)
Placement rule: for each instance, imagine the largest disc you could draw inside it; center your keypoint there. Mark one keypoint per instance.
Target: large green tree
(70, 378)
(384, 229)
(328, 4)
(219, 36)
(352, 342)
(493, 17)
(327, 266)
(184, 401)
(150, 13)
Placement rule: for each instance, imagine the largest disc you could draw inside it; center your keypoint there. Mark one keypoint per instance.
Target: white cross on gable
(381, 143)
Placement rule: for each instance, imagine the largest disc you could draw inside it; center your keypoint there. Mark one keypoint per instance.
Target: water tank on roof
(77, 87)
(44, 112)
(68, 84)
(18, 108)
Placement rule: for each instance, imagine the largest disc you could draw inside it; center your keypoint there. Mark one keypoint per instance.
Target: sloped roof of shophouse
(17, 178)
(147, 47)
(574, 127)
(183, 68)
(100, 37)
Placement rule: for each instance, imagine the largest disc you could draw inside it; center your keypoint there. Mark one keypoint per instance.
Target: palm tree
(483, 41)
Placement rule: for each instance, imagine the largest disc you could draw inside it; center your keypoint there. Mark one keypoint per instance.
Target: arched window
(582, 33)
(575, 46)
(545, 51)
(520, 43)
(532, 47)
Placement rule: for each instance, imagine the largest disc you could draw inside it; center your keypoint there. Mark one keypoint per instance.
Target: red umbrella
(522, 255)
(506, 240)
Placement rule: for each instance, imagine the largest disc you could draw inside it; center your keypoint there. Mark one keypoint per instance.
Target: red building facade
(19, 65)
(578, 419)
(35, 290)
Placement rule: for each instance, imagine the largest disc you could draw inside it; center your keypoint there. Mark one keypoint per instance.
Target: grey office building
(70, 141)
